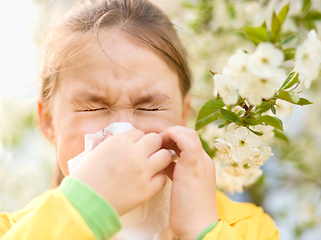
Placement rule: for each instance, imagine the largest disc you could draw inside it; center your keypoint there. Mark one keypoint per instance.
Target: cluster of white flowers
(241, 146)
(308, 59)
(253, 76)
(240, 154)
(234, 179)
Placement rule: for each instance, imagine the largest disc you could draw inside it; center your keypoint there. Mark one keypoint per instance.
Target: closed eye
(148, 109)
(93, 109)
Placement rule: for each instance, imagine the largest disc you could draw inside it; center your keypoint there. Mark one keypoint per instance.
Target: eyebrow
(102, 98)
(89, 96)
(151, 97)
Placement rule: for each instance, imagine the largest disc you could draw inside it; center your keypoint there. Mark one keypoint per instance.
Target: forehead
(115, 58)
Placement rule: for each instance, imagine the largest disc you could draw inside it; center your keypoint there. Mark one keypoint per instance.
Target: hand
(193, 199)
(126, 169)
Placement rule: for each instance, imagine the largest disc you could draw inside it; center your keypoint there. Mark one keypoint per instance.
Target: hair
(138, 18)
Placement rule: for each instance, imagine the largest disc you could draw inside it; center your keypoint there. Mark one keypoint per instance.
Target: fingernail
(173, 154)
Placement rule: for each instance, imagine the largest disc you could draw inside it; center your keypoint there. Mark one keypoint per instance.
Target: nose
(123, 116)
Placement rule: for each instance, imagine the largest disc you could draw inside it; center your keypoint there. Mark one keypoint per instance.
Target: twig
(248, 110)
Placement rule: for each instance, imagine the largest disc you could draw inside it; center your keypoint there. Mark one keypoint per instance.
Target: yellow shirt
(51, 216)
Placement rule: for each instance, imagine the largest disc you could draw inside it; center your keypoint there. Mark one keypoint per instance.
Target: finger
(168, 143)
(181, 137)
(150, 143)
(159, 161)
(157, 183)
(131, 135)
(186, 140)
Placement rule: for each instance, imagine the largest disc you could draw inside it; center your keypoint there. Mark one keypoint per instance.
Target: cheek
(71, 136)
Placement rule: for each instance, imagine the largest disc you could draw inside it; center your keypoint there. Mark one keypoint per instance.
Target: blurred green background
(290, 189)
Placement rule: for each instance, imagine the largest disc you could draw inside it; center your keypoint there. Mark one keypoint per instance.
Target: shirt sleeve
(99, 215)
(206, 231)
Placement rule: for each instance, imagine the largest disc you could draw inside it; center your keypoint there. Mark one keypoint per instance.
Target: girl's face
(127, 82)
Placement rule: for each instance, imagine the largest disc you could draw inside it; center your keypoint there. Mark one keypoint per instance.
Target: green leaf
(289, 96)
(254, 122)
(265, 106)
(306, 5)
(229, 115)
(291, 79)
(221, 125)
(303, 101)
(207, 148)
(272, 121)
(205, 121)
(273, 109)
(275, 28)
(209, 108)
(289, 39)
(283, 13)
(280, 135)
(256, 35)
(289, 53)
(313, 15)
(293, 98)
(255, 132)
(308, 23)
(220, 117)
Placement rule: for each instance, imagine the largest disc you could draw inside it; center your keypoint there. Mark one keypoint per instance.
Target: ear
(45, 122)
(186, 109)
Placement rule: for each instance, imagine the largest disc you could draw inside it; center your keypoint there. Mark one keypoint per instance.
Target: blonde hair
(138, 18)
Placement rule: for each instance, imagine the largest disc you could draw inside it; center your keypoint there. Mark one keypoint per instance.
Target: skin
(129, 82)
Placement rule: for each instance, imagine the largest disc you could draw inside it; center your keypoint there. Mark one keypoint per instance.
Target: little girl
(121, 61)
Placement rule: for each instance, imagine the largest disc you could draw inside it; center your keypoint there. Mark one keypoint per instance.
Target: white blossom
(234, 179)
(225, 181)
(242, 146)
(238, 109)
(234, 171)
(224, 150)
(258, 88)
(242, 142)
(236, 67)
(224, 86)
(260, 157)
(255, 76)
(264, 62)
(267, 132)
(308, 59)
(251, 175)
(211, 132)
(231, 127)
(307, 79)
